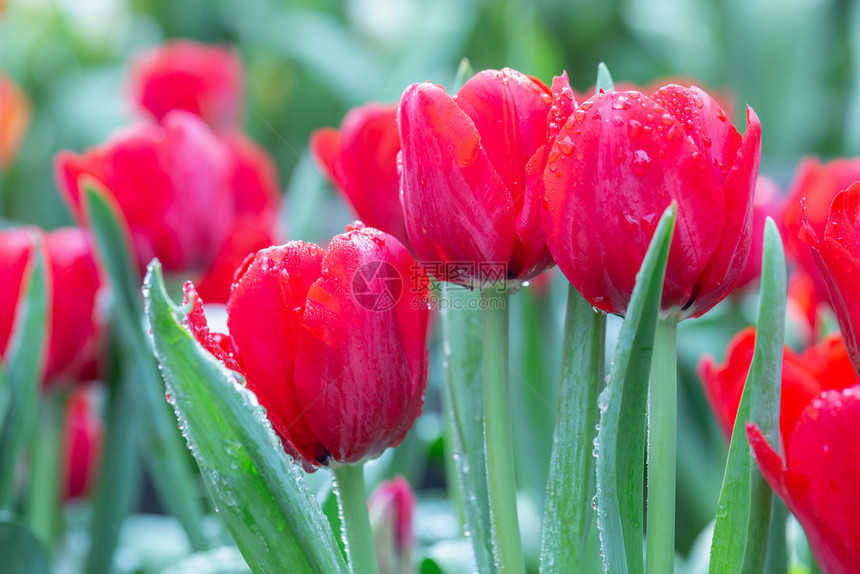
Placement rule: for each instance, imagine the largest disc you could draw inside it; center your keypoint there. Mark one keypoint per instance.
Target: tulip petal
(264, 315)
(456, 205)
(727, 263)
(361, 365)
(639, 160)
(15, 250)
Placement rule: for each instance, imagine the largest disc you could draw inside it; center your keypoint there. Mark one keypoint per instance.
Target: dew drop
(621, 103)
(579, 114)
(641, 162)
(634, 129)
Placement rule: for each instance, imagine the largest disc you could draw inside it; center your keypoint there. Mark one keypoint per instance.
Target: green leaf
(168, 461)
(604, 79)
(224, 560)
(462, 329)
(621, 439)
(572, 468)
(21, 551)
(743, 515)
(24, 363)
(464, 72)
(258, 490)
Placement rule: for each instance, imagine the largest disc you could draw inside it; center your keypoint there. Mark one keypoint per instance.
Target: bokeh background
(797, 62)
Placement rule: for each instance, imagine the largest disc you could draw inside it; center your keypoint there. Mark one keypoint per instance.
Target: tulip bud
(184, 75)
(360, 160)
(618, 162)
(470, 169)
(332, 341)
(390, 508)
(83, 436)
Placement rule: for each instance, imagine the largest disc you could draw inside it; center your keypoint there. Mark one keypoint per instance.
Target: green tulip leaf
(604, 79)
(224, 560)
(571, 484)
(23, 371)
(623, 403)
(166, 456)
(462, 329)
(258, 490)
(21, 551)
(743, 516)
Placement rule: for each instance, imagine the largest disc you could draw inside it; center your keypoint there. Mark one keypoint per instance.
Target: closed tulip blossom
(470, 164)
(75, 327)
(618, 162)
(332, 342)
(185, 75)
(360, 160)
(83, 437)
(199, 203)
(817, 477)
(391, 508)
(836, 252)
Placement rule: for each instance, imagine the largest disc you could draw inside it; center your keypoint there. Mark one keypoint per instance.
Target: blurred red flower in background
(75, 328)
(184, 75)
(618, 163)
(184, 196)
(820, 367)
(14, 117)
(391, 507)
(83, 435)
(360, 160)
(469, 166)
(341, 377)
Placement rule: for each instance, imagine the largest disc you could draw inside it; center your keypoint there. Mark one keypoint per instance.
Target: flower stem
(660, 540)
(356, 524)
(501, 483)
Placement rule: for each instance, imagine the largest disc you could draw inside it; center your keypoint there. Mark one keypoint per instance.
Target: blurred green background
(308, 61)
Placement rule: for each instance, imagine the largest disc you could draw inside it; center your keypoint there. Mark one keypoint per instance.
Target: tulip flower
(184, 75)
(14, 117)
(817, 479)
(836, 252)
(332, 342)
(766, 203)
(83, 434)
(618, 162)
(198, 202)
(470, 165)
(806, 207)
(75, 327)
(391, 507)
(360, 160)
(805, 375)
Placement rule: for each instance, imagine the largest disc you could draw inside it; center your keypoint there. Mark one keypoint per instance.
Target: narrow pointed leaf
(604, 79)
(571, 484)
(21, 551)
(462, 329)
(166, 456)
(24, 364)
(743, 516)
(621, 439)
(275, 521)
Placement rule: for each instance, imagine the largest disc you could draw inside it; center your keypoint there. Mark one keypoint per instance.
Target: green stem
(356, 524)
(501, 478)
(660, 540)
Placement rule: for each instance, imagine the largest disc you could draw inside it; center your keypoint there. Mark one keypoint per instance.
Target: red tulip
(75, 328)
(184, 75)
(804, 376)
(196, 201)
(618, 162)
(360, 160)
(332, 342)
(818, 477)
(14, 117)
(470, 165)
(390, 508)
(83, 435)
(766, 203)
(805, 210)
(837, 255)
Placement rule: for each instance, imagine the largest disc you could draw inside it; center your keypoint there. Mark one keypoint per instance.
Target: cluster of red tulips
(485, 189)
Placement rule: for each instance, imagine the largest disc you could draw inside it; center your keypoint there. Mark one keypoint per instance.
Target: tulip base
(356, 524)
(501, 483)
(663, 420)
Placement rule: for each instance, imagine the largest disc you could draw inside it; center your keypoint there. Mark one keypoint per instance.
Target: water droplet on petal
(641, 162)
